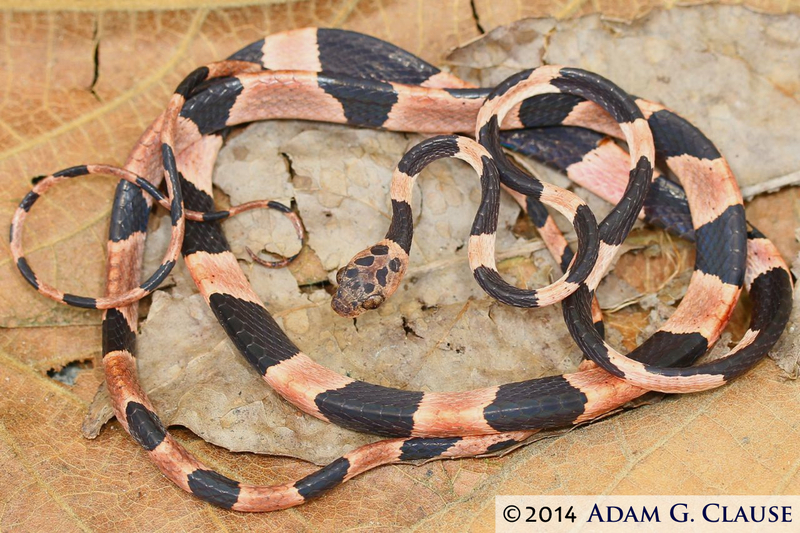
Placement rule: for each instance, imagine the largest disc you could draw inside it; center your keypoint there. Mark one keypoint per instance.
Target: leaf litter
(440, 331)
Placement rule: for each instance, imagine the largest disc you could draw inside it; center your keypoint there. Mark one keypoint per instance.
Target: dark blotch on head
(381, 275)
(394, 264)
(365, 261)
(379, 249)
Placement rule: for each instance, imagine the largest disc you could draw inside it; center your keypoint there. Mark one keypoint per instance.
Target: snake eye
(373, 302)
(339, 274)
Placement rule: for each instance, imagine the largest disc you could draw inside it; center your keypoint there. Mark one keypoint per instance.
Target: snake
(344, 77)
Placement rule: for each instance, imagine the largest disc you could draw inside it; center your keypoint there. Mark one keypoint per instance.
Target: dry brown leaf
(738, 439)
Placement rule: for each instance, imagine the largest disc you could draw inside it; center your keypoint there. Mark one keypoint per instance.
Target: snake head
(369, 278)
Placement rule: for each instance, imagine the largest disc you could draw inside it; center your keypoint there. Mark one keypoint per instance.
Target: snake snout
(344, 308)
(356, 295)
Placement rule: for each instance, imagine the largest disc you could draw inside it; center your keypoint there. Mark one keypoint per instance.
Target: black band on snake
(343, 77)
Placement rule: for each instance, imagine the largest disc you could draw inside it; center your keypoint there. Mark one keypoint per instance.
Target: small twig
(771, 185)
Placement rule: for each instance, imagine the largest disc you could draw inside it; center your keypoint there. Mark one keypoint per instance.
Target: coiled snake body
(343, 77)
